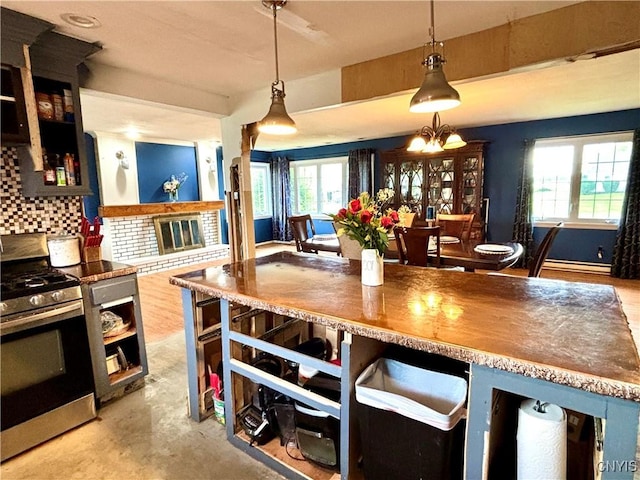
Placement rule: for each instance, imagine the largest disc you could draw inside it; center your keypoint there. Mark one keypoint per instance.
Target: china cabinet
(450, 181)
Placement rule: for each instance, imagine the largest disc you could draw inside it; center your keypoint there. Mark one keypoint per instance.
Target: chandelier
(435, 138)
(435, 94)
(277, 121)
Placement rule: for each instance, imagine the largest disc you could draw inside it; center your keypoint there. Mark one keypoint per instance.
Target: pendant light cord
(275, 41)
(432, 30)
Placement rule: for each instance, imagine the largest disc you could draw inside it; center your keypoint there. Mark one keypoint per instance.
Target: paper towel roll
(541, 442)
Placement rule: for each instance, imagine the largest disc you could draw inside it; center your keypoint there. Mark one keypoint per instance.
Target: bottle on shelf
(49, 170)
(61, 176)
(69, 169)
(76, 169)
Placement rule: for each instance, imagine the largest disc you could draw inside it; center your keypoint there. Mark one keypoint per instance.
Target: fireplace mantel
(110, 211)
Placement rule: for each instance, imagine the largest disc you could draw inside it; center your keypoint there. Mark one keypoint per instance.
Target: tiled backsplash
(33, 215)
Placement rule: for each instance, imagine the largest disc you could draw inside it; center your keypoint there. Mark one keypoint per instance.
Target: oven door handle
(40, 318)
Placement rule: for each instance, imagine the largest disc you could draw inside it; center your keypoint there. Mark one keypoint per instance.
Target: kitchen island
(565, 343)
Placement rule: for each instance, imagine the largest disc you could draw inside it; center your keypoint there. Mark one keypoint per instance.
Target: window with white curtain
(261, 189)
(319, 186)
(581, 179)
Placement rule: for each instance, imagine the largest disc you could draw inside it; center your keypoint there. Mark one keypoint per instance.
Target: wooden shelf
(168, 208)
(130, 372)
(299, 464)
(116, 338)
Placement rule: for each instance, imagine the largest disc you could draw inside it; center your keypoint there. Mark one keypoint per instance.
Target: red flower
(342, 213)
(387, 222)
(355, 206)
(365, 216)
(394, 216)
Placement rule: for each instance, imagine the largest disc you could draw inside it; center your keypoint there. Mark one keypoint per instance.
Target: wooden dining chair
(413, 245)
(304, 234)
(455, 225)
(302, 229)
(543, 250)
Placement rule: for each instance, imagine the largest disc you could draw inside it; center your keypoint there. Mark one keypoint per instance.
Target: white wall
(207, 170)
(118, 186)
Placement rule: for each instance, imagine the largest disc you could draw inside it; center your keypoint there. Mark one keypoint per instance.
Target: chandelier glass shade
(435, 94)
(277, 121)
(435, 138)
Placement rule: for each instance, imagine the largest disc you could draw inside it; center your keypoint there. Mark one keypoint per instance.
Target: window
(581, 179)
(319, 186)
(261, 189)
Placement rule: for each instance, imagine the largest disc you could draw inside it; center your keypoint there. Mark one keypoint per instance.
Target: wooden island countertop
(572, 334)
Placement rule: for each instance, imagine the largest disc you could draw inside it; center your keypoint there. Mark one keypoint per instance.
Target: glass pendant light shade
(277, 121)
(454, 141)
(433, 146)
(417, 144)
(435, 94)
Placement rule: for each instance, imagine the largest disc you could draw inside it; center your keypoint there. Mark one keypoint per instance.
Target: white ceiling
(226, 48)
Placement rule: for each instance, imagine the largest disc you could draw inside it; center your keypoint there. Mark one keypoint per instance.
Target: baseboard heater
(581, 267)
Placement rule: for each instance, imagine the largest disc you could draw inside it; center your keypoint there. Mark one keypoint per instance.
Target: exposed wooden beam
(530, 42)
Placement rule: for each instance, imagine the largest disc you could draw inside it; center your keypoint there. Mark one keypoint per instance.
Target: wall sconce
(211, 163)
(122, 160)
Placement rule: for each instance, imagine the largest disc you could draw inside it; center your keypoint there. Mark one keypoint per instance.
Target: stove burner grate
(27, 283)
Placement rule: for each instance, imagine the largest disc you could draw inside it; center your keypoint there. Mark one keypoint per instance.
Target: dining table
(471, 254)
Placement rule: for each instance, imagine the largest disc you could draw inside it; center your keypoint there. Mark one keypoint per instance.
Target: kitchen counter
(560, 342)
(96, 271)
(572, 334)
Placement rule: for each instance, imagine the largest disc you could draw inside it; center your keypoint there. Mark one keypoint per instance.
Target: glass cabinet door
(411, 183)
(442, 184)
(470, 180)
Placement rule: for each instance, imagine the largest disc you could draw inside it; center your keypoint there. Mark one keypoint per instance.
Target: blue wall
(157, 162)
(502, 170)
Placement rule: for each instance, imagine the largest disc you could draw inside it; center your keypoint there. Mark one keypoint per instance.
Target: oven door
(46, 362)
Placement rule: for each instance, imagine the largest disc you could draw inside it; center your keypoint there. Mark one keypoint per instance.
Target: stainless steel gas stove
(46, 378)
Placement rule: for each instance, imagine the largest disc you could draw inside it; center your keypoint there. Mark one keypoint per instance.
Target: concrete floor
(144, 435)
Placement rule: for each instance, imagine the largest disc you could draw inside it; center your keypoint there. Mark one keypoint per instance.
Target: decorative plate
(447, 239)
(493, 249)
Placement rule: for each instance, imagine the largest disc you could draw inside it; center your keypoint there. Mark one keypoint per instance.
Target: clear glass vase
(173, 196)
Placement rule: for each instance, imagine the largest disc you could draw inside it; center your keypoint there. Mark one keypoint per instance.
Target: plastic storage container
(410, 422)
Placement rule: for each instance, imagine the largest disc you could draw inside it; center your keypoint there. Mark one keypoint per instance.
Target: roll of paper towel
(541, 442)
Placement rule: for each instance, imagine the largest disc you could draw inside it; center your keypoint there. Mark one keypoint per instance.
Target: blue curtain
(360, 171)
(522, 224)
(626, 253)
(281, 190)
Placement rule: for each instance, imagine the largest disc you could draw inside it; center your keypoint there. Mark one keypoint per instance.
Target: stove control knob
(57, 296)
(36, 300)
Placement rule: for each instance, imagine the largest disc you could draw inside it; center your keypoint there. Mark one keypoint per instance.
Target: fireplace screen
(176, 233)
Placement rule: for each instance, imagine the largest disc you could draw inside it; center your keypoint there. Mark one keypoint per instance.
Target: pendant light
(277, 121)
(435, 94)
(436, 138)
